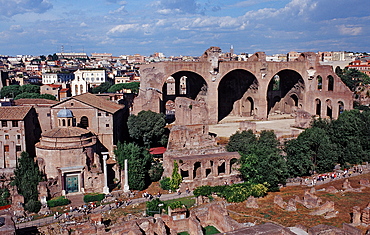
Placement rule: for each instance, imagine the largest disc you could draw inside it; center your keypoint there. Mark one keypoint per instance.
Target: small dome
(65, 113)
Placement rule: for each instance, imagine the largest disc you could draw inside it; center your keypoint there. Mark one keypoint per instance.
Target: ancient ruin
(255, 87)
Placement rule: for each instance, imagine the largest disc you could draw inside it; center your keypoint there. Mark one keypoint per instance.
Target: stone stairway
(77, 199)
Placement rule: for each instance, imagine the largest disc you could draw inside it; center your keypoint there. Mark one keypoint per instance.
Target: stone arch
(330, 83)
(288, 86)
(319, 82)
(247, 107)
(197, 172)
(329, 109)
(183, 84)
(84, 122)
(233, 163)
(318, 107)
(235, 85)
(340, 107)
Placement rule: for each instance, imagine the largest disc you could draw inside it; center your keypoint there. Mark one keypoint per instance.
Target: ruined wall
(213, 71)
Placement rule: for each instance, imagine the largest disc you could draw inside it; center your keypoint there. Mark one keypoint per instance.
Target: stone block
(278, 200)
(325, 208)
(331, 189)
(251, 202)
(291, 205)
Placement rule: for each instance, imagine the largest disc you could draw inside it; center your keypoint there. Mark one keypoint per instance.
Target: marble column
(105, 188)
(126, 187)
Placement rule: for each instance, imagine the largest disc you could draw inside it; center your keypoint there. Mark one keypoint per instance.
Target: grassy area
(187, 201)
(210, 230)
(183, 233)
(270, 212)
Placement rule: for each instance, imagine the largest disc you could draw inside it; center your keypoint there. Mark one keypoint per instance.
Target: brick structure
(255, 87)
(19, 131)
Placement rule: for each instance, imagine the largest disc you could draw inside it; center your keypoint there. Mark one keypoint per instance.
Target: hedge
(58, 201)
(93, 197)
(233, 193)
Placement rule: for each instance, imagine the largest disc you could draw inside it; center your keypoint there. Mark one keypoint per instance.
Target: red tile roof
(17, 113)
(96, 101)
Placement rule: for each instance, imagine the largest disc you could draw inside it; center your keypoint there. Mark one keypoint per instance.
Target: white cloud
(121, 9)
(123, 28)
(10, 8)
(349, 30)
(16, 28)
(83, 24)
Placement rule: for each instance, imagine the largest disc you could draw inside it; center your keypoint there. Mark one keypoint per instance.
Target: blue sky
(182, 27)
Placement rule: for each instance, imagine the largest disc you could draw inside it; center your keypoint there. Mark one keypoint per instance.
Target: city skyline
(182, 27)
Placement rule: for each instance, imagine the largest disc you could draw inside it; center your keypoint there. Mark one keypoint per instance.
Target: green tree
(353, 77)
(4, 196)
(10, 91)
(103, 88)
(139, 162)
(30, 88)
(148, 128)
(313, 151)
(176, 178)
(133, 86)
(261, 160)
(26, 177)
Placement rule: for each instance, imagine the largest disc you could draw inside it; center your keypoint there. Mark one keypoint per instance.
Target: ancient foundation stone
(325, 208)
(291, 205)
(278, 200)
(331, 189)
(251, 202)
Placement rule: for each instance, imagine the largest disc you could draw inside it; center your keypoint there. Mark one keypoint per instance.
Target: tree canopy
(352, 77)
(326, 143)
(133, 86)
(139, 162)
(27, 95)
(103, 88)
(27, 177)
(261, 161)
(148, 128)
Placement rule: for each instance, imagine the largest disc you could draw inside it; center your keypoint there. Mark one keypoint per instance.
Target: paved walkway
(99, 209)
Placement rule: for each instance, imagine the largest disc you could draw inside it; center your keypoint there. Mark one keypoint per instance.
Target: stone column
(356, 216)
(105, 188)
(126, 187)
(366, 216)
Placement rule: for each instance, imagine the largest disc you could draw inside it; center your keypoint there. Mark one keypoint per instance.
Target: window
(72, 104)
(48, 115)
(15, 123)
(18, 148)
(99, 114)
(107, 114)
(6, 137)
(6, 148)
(4, 123)
(106, 125)
(18, 137)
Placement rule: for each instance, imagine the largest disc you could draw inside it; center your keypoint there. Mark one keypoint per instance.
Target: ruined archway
(340, 107)
(285, 92)
(232, 88)
(182, 84)
(318, 107)
(329, 109)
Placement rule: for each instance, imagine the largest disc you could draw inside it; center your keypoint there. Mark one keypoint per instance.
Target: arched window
(340, 107)
(330, 83)
(276, 83)
(318, 107)
(81, 89)
(64, 122)
(329, 110)
(319, 82)
(84, 122)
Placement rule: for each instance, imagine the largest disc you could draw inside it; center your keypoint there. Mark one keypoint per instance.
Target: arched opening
(170, 111)
(182, 84)
(330, 83)
(184, 174)
(197, 170)
(340, 107)
(248, 107)
(233, 163)
(221, 168)
(81, 90)
(63, 122)
(231, 89)
(319, 82)
(84, 122)
(329, 110)
(284, 92)
(318, 107)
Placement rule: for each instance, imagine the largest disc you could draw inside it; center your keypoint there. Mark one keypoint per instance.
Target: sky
(182, 27)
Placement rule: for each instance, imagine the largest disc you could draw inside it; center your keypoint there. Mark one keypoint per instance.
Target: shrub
(94, 197)
(153, 207)
(155, 172)
(165, 183)
(176, 204)
(203, 191)
(176, 178)
(59, 201)
(33, 206)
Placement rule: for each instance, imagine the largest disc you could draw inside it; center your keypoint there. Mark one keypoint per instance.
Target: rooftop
(14, 112)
